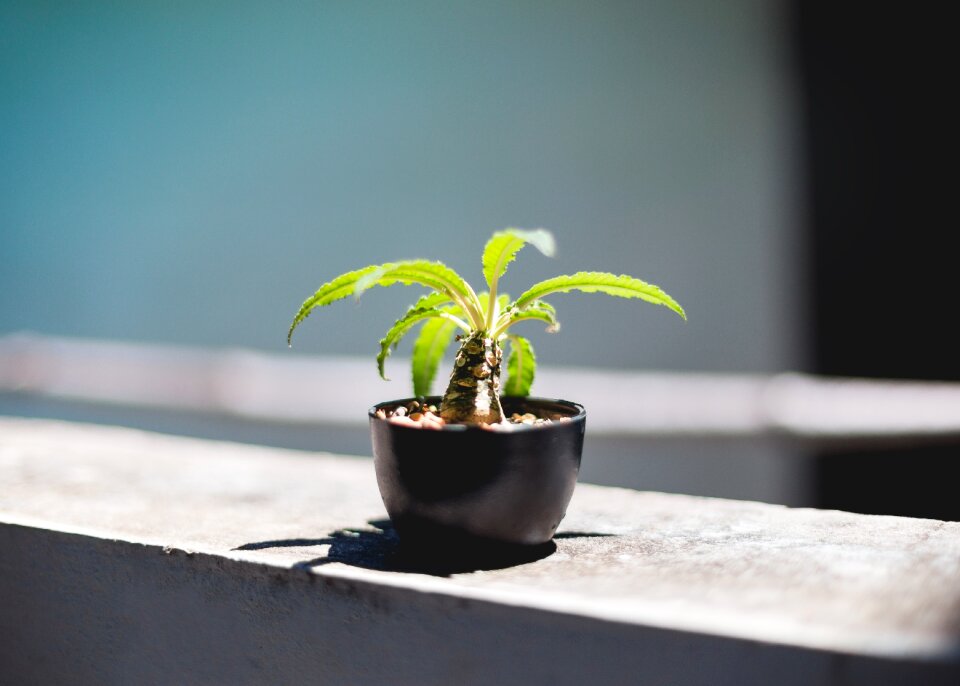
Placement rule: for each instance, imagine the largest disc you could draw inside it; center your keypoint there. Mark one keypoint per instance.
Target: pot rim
(579, 415)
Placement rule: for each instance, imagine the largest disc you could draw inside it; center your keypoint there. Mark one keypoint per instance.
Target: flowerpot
(467, 485)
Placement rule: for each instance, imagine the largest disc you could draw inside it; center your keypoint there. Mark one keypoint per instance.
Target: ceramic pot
(465, 484)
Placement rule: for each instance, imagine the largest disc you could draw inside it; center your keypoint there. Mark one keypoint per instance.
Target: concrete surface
(129, 557)
(281, 387)
(741, 436)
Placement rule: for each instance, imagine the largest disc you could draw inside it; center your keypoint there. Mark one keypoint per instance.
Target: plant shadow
(379, 548)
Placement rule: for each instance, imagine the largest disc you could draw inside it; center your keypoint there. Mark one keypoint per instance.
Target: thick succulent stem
(473, 394)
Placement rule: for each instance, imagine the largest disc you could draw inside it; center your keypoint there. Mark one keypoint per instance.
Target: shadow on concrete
(379, 548)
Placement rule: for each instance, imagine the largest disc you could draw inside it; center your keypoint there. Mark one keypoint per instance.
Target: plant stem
(492, 308)
(474, 311)
(473, 394)
(456, 320)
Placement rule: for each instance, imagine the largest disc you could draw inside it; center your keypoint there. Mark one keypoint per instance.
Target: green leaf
(504, 245)
(339, 288)
(622, 286)
(536, 310)
(431, 300)
(435, 275)
(484, 299)
(414, 315)
(521, 367)
(503, 301)
(428, 351)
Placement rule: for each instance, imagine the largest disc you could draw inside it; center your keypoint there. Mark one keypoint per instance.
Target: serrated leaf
(428, 350)
(504, 245)
(435, 275)
(413, 316)
(337, 289)
(521, 367)
(536, 311)
(622, 286)
(430, 300)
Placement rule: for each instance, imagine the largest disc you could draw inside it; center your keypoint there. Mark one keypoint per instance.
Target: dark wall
(881, 214)
(882, 203)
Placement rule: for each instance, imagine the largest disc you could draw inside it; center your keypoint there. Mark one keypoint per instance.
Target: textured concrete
(133, 557)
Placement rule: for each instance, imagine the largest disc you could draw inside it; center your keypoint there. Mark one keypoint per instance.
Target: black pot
(468, 485)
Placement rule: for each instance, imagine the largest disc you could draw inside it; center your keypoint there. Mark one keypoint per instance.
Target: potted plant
(484, 462)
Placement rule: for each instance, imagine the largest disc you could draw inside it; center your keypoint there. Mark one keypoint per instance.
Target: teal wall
(187, 172)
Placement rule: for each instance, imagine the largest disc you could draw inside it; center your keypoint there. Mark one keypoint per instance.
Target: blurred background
(177, 177)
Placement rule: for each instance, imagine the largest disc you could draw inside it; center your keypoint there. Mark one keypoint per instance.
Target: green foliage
(425, 308)
(435, 275)
(536, 310)
(500, 251)
(453, 303)
(341, 287)
(428, 350)
(521, 367)
(504, 245)
(600, 282)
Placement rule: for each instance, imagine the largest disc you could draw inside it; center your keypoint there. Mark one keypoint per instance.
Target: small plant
(485, 319)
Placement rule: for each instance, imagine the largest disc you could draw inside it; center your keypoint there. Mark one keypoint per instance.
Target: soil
(428, 417)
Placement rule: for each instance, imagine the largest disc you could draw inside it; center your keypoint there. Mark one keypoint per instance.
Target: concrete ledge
(129, 557)
(802, 409)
